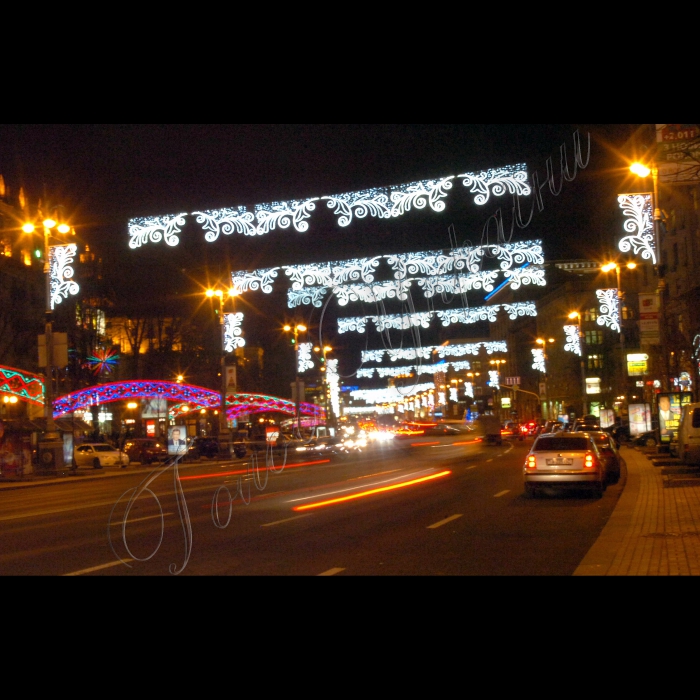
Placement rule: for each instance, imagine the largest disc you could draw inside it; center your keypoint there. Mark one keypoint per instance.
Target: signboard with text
(640, 418)
(669, 408)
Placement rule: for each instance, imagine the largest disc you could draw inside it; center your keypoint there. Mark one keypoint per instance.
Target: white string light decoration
(155, 228)
(61, 282)
(333, 380)
(469, 389)
(538, 357)
(453, 394)
(494, 379)
(573, 342)
(609, 309)
(637, 209)
(304, 356)
(389, 394)
(233, 332)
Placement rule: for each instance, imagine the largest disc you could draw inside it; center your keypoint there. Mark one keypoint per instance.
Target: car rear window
(103, 448)
(560, 444)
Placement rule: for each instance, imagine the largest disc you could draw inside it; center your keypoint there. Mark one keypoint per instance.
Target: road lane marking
(97, 568)
(501, 493)
(444, 522)
(331, 572)
(490, 460)
(473, 466)
(286, 520)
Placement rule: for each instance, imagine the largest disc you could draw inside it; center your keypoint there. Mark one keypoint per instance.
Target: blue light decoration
(195, 397)
(24, 385)
(382, 203)
(61, 281)
(637, 209)
(103, 361)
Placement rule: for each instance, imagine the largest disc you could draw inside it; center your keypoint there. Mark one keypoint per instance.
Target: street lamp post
(296, 328)
(576, 315)
(543, 343)
(608, 267)
(224, 433)
(643, 171)
(52, 441)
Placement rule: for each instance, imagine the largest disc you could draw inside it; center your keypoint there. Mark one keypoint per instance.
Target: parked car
(650, 438)
(620, 433)
(564, 460)
(98, 455)
(608, 451)
(687, 444)
(145, 450)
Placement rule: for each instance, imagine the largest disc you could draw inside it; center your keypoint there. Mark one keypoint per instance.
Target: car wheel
(96, 463)
(650, 442)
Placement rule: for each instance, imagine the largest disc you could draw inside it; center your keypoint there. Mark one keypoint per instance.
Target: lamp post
(609, 267)
(296, 328)
(52, 441)
(576, 315)
(543, 343)
(224, 434)
(644, 171)
(324, 350)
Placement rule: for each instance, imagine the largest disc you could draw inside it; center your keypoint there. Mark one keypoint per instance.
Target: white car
(98, 455)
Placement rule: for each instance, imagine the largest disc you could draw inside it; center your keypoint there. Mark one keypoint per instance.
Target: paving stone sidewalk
(655, 528)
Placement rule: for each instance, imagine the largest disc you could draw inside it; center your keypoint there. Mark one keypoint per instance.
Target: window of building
(476, 365)
(595, 361)
(593, 337)
(590, 314)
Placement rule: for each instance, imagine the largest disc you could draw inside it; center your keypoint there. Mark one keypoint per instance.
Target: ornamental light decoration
(538, 357)
(457, 350)
(304, 353)
(233, 332)
(494, 379)
(453, 394)
(61, 273)
(154, 229)
(609, 309)
(637, 209)
(469, 389)
(573, 342)
(333, 380)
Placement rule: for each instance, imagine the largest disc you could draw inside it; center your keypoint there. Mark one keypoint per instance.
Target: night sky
(105, 175)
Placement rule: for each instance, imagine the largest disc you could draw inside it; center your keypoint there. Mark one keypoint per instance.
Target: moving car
(145, 450)
(488, 428)
(98, 455)
(648, 439)
(608, 451)
(564, 460)
(211, 448)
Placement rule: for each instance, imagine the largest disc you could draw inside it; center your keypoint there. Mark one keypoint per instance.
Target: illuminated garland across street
(405, 371)
(390, 393)
(639, 222)
(573, 342)
(447, 317)
(24, 385)
(61, 273)
(609, 312)
(457, 350)
(196, 397)
(381, 202)
(232, 331)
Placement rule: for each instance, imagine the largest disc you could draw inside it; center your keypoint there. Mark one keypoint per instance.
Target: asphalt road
(457, 516)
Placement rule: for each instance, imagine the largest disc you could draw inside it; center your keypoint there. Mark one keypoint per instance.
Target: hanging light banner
(639, 222)
(538, 360)
(573, 342)
(233, 332)
(609, 315)
(61, 273)
(381, 203)
(457, 350)
(304, 355)
(407, 370)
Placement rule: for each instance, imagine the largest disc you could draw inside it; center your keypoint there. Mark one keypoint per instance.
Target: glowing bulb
(63, 228)
(608, 267)
(49, 223)
(287, 328)
(28, 228)
(210, 292)
(640, 170)
(301, 327)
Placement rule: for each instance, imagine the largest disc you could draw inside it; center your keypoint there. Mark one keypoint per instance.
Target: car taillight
(531, 462)
(589, 461)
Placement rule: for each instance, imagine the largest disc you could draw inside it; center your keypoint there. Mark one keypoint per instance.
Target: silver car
(569, 460)
(98, 455)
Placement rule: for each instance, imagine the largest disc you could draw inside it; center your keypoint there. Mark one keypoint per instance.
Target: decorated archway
(24, 385)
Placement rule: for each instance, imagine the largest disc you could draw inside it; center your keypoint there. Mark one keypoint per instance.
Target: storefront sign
(592, 385)
(637, 364)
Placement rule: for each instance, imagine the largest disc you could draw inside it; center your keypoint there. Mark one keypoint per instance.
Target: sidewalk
(655, 527)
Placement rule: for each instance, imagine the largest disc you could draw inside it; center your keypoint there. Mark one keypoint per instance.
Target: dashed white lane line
(473, 466)
(501, 493)
(490, 460)
(97, 568)
(332, 572)
(286, 520)
(445, 521)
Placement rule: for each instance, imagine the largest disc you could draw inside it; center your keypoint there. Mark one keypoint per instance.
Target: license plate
(560, 461)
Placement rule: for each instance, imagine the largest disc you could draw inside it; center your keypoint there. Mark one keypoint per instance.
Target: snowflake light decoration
(538, 357)
(573, 343)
